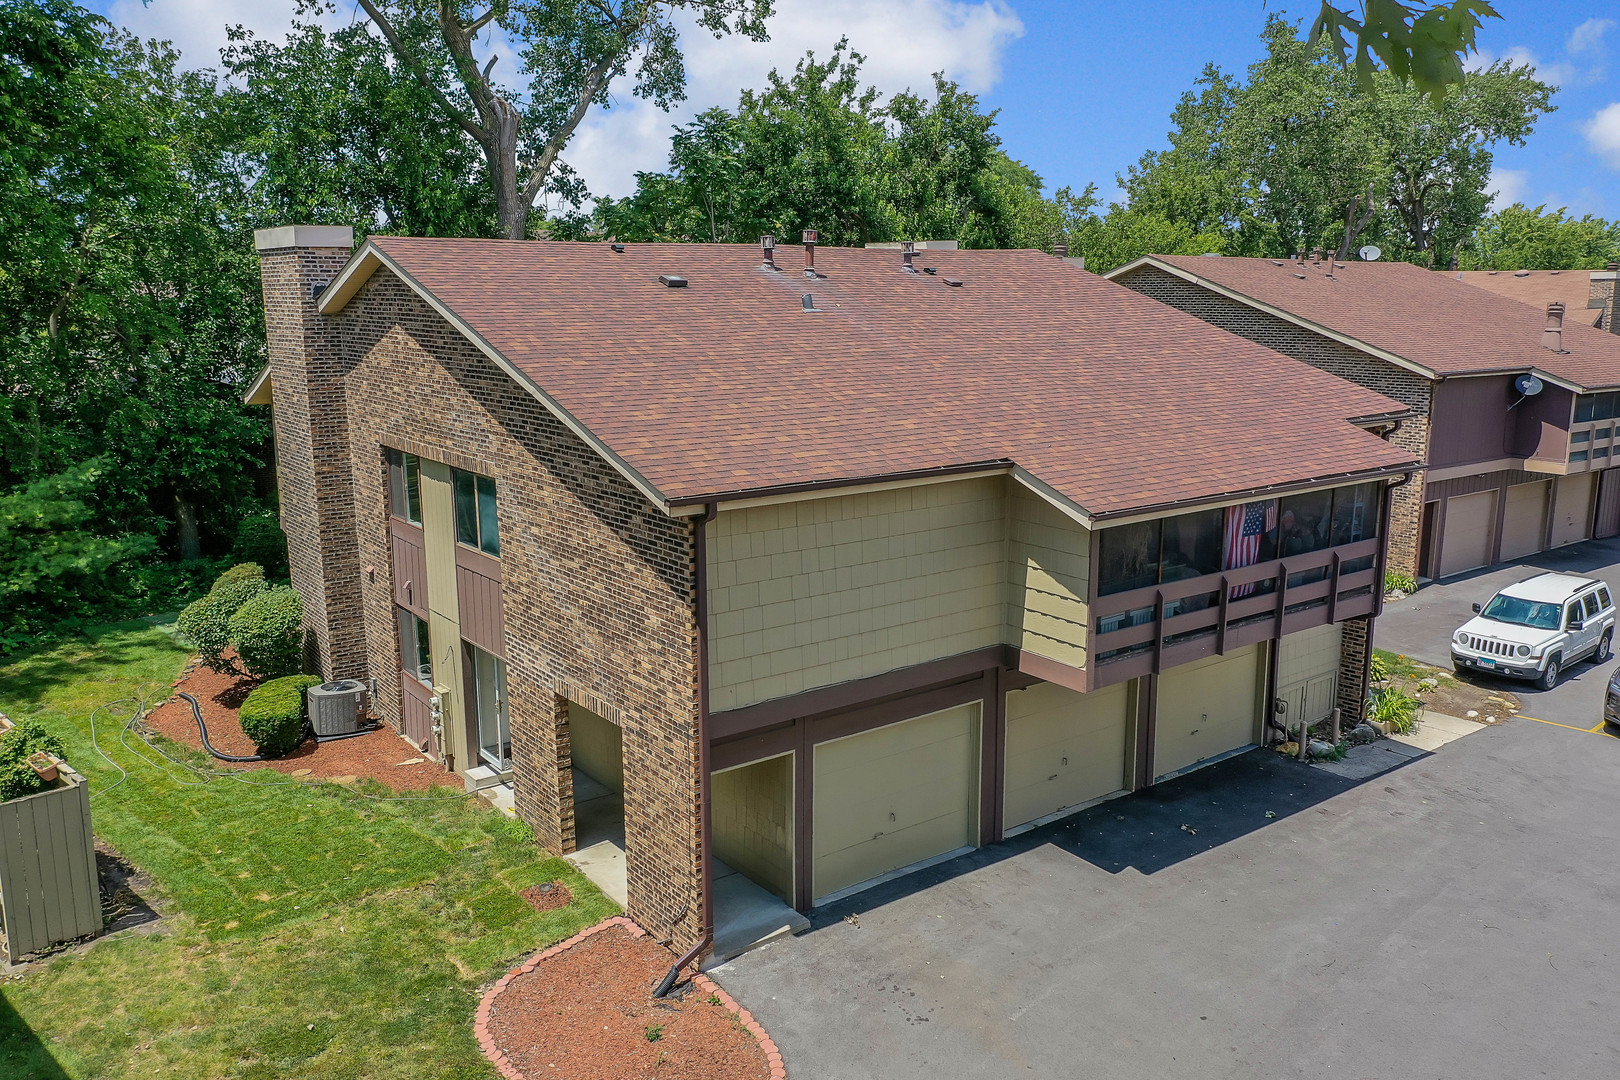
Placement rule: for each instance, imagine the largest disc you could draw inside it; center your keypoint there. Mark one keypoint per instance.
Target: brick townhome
(1587, 295)
(829, 572)
(1509, 473)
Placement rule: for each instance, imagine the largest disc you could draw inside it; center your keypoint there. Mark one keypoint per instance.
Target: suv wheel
(1549, 678)
(1605, 648)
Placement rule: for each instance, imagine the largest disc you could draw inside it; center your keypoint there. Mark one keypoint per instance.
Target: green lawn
(309, 932)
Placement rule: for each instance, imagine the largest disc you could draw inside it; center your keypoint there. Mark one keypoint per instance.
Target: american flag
(1245, 525)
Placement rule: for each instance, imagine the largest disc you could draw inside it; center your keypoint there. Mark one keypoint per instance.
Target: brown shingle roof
(1432, 320)
(1538, 288)
(1115, 401)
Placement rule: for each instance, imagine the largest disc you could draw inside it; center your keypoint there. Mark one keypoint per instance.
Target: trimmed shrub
(268, 633)
(206, 622)
(259, 539)
(17, 778)
(273, 714)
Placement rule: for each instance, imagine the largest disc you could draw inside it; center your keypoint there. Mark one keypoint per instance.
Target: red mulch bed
(379, 755)
(547, 897)
(585, 1014)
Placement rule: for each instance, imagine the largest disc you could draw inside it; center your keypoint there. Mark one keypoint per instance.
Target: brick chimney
(1603, 289)
(313, 469)
(1553, 337)
(810, 238)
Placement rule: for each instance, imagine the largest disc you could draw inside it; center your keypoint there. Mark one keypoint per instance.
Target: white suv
(1535, 629)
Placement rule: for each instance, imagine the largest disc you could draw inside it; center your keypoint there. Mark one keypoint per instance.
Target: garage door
(1308, 672)
(1470, 520)
(1608, 507)
(1525, 520)
(1063, 749)
(1572, 509)
(1207, 708)
(888, 798)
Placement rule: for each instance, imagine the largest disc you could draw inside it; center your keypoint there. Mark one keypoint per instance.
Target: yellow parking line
(1599, 730)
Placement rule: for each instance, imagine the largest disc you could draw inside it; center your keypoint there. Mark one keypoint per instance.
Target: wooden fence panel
(48, 886)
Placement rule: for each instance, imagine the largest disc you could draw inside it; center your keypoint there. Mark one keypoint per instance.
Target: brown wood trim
(826, 699)
(993, 741)
(1147, 727)
(1018, 680)
(1044, 669)
(768, 744)
(1220, 625)
(893, 711)
(479, 562)
(804, 803)
(1267, 706)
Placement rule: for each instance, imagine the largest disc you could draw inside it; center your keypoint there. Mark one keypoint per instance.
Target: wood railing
(1230, 617)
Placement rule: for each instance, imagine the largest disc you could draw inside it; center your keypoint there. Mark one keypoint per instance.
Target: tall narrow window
(416, 654)
(476, 524)
(405, 486)
(486, 678)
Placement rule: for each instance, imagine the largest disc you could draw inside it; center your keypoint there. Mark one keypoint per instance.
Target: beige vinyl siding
(895, 796)
(753, 822)
(1207, 708)
(596, 746)
(824, 591)
(1063, 748)
(1049, 571)
(444, 612)
(1308, 672)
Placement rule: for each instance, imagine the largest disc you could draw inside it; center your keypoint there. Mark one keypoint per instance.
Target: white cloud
(1507, 186)
(1603, 134)
(1588, 37)
(1557, 72)
(197, 27)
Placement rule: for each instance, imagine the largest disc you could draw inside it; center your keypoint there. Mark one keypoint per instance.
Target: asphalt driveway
(1451, 918)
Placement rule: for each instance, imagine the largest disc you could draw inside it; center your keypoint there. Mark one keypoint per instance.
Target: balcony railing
(1162, 626)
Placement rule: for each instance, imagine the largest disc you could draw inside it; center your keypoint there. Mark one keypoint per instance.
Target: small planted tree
(267, 632)
(205, 622)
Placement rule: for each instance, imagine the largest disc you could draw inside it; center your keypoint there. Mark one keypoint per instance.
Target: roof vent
(1521, 273)
(1300, 276)
(1061, 250)
(1276, 262)
(810, 237)
(767, 249)
(617, 249)
(674, 281)
(930, 269)
(908, 251)
(1553, 337)
(809, 304)
(955, 283)
(1614, 266)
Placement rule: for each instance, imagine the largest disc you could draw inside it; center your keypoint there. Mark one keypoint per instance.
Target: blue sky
(1083, 88)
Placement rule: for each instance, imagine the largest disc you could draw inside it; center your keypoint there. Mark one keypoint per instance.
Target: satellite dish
(1370, 253)
(1527, 385)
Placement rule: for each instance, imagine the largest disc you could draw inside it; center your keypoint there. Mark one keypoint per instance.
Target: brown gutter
(705, 796)
(1270, 489)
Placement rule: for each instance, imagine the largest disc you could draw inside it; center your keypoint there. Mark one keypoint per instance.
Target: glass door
(488, 706)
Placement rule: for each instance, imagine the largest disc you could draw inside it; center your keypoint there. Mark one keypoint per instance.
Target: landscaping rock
(1319, 748)
(1362, 734)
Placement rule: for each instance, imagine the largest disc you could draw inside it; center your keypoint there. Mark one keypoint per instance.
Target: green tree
(1519, 238)
(571, 51)
(1421, 44)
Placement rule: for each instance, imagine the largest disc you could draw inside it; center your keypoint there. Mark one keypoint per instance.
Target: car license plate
(1486, 661)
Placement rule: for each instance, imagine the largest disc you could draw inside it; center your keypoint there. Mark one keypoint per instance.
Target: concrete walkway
(1436, 729)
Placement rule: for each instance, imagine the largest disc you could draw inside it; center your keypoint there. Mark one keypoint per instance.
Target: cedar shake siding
(598, 584)
(1351, 364)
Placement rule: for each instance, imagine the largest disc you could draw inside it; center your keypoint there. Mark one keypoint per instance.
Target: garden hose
(202, 728)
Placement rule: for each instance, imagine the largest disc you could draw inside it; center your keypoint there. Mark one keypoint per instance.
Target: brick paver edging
(486, 1042)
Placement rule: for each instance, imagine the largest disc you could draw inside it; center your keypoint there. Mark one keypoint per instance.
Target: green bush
(206, 622)
(1394, 581)
(1379, 669)
(273, 714)
(17, 778)
(259, 539)
(1395, 707)
(268, 633)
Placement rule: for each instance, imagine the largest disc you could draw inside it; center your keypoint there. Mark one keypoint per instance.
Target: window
(1602, 451)
(415, 652)
(1603, 433)
(1603, 597)
(405, 486)
(1581, 436)
(1192, 545)
(1596, 407)
(1572, 614)
(475, 512)
(1517, 612)
(1604, 406)
(1130, 557)
(1579, 455)
(1590, 602)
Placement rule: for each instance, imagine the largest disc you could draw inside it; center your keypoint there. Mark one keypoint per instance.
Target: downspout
(705, 802)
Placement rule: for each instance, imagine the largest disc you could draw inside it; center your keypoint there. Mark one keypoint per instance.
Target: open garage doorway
(596, 746)
(752, 807)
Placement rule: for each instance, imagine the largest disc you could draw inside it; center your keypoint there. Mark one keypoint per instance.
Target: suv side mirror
(1476, 609)
(1575, 624)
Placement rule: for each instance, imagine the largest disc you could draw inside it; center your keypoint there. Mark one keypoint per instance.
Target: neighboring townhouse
(1587, 295)
(808, 573)
(1516, 465)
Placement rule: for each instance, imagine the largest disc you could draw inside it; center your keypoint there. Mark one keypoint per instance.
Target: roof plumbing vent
(767, 249)
(1553, 337)
(1060, 250)
(809, 303)
(908, 251)
(673, 281)
(810, 253)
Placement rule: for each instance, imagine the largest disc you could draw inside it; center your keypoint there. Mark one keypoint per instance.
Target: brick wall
(307, 366)
(598, 583)
(1411, 390)
(1602, 291)
(1355, 650)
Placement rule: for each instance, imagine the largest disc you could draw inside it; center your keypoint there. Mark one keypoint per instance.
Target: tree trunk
(190, 537)
(511, 207)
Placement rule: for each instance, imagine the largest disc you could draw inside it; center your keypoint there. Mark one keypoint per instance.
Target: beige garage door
(888, 798)
(1207, 708)
(1063, 749)
(1524, 519)
(1470, 520)
(1308, 672)
(1572, 509)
